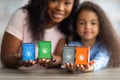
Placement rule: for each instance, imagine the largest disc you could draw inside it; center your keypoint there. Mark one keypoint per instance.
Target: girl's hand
(24, 63)
(86, 68)
(70, 66)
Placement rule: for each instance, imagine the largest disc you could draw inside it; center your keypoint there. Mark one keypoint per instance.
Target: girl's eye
(81, 22)
(94, 23)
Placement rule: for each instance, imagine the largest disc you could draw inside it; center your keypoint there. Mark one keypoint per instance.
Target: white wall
(112, 9)
(7, 7)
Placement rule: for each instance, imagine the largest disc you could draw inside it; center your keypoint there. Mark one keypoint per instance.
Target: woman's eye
(68, 3)
(54, 1)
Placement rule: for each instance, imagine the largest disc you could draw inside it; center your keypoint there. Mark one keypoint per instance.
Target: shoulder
(100, 47)
(20, 13)
(16, 23)
(74, 43)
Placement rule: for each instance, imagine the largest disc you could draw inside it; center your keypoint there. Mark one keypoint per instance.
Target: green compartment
(44, 49)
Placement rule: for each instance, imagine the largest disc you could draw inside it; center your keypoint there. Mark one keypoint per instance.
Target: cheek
(49, 11)
(51, 7)
(79, 30)
(68, 11)
(96, 31)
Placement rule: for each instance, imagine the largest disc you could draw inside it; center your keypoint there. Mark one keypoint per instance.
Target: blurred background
(7, 7)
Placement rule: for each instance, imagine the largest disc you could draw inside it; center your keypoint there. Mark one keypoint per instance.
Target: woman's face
(87, 25)
(58, 10)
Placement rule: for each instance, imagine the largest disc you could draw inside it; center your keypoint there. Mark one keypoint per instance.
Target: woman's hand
(44, 62)
(24, 63)
(50, 63)
(70, 67)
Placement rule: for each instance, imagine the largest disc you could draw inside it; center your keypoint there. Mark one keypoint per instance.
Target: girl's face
(87, 25)
(58, 10)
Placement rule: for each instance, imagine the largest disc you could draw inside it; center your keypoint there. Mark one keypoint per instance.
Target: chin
(87, 38)
(57, 21)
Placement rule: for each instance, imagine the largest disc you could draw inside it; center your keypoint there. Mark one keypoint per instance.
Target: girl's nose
(87, 26)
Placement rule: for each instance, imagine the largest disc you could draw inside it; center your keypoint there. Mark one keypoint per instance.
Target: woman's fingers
(44, 62)
(40, 61)
(32, 62)
(27, 63)
(18, 55)
(47, 61)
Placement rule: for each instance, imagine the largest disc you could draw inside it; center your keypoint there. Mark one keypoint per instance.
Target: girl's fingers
(64, 65)
(70, 66)
(86, 66)
(81, 67)
(91, 63)
(74, 65)
(78, 65)
(67, 65)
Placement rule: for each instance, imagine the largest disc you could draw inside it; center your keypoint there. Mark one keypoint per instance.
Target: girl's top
(98, 53)
(18, 27)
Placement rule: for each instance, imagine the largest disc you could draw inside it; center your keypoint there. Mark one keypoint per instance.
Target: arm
(101, 59)
(10, 46)
(58, 53)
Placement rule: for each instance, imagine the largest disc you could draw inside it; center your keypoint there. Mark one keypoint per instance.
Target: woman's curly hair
(38, 15)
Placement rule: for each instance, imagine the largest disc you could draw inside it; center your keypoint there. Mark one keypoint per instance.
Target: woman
(38, 20)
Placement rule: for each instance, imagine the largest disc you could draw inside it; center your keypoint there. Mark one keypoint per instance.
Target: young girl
(93, 29)
(47, 20)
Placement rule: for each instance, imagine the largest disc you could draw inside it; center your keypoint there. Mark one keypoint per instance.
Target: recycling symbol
(28, 54)
(44, 50)
(68, 57)
(81, 57)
